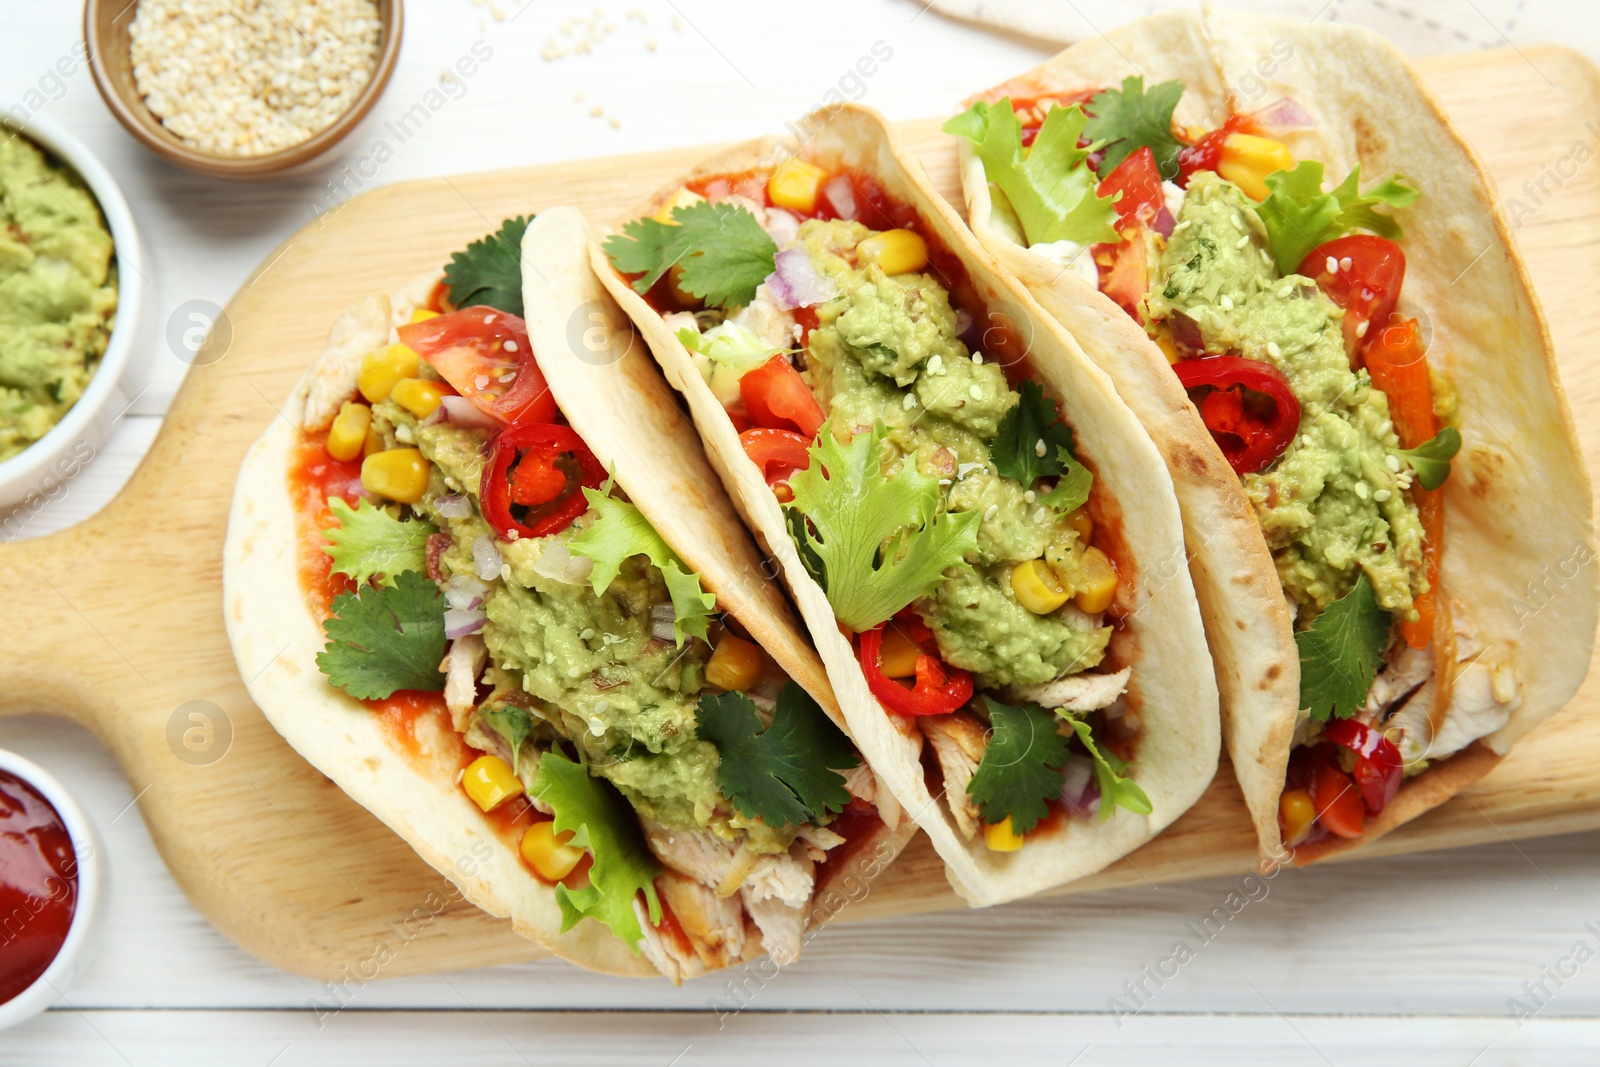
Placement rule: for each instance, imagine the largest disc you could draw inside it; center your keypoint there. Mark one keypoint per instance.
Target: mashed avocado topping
(1334, 505)
(886, 351)
(58, 292)
(586, 666)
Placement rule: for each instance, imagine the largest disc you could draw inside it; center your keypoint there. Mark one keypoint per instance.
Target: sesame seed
(1241, 242)
(1392, 462)
(1333, 265)
(1305, 439)
(1344, 264)
(1361, 328)
(909, 402)
(1038, 448)
(510, 346)
(990, 512)
(1226, 302)
(977, 357)
(1362, 491)
(1381, 495)
(481, 381)
(1029, 496)
(935, 363)
(975, 391)
(1273, 350)
(1184, 225)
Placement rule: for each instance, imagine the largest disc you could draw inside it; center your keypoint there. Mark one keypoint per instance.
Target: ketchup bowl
(52, 889)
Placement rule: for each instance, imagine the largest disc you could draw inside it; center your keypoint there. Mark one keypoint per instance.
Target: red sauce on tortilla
(314, 476)
(38, 885)
(670, 927)
(857, 824)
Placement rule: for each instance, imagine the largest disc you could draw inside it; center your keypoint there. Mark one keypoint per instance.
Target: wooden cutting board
(119, 620)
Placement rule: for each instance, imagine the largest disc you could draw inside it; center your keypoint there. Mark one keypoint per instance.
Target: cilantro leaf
(1021, 766)
(369, 542)
(489, 272)
(1130, 118)
(1048, 186)
(882, 541)
(1340, 652)
(1299, 216)
(385, 638)
(1431, 459)
(1115, 790)
(724, 252)
(1071, 491)
(1032, 438)
(602, 822)
(786, 774)
(510, 722)
(621, 531)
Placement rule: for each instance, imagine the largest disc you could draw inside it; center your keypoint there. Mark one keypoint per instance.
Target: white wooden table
(1417, 960)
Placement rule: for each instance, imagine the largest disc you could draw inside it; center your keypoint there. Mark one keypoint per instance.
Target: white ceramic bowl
(83, 936)
(39, 472)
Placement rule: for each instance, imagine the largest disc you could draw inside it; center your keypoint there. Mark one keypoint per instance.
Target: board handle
(57, 655)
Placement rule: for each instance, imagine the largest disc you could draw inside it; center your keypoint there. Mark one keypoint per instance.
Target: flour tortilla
(1518, 503)
(1171, 688)
(632, 424)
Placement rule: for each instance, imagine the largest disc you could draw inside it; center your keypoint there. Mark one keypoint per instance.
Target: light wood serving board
(117, 622)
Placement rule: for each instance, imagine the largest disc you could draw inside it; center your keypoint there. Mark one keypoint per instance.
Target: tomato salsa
(38, 885)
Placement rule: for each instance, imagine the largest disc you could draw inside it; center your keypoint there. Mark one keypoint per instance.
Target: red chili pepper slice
(1337, 799)
(534, 479)
(939, 689)
(1249, 408)
(776, 397)
(779, 453)
(1378, 763)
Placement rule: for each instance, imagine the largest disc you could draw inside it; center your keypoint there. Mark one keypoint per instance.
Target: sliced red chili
(938, 690)
(1246, 404)
(776, 397)
(779, 453)
(1337, 799)
(534, 478)
(1378, 768)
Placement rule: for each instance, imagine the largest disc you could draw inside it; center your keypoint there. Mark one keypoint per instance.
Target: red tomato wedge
(777, 398)
(1338, 801)
(534, 479)
(779, 453)
(1378, 767)
(485, 355)
(1142, 202)
(1368, 288)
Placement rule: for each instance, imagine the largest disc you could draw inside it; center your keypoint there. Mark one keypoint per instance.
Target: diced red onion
(464, 592)
(1077, 783)
(1163, 223)
(782, 227)
(459, 411)
(459, 622)
(840, 196)
(967, 329)
(662, 616)
(797, 283)
(1284, 116)
(453, 506)
(557, 562)
(486, 561)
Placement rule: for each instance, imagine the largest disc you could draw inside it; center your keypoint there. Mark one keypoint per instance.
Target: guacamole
(58, 291)
(1335, 504)
(887, 351)
(585, 665)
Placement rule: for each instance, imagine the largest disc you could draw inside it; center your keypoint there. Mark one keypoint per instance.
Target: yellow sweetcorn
(1296, 813)
(794, 185)
(348, 434)
(896, 251)
(734, 664)
(1099, 583)
(1081, 521)
(381, 368)
(397, 474)
(419, 396)
(1037, 587)
(681, 198)
(422, 315)
(1164, 342)
(1247, 160)
(373, 442)
(490, 782)
(1001, 838)
(897, 658)
(548, 852)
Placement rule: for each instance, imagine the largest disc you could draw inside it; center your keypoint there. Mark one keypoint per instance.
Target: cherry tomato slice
(938, 689)
(1368, 289)
(1125, 272)
(779, 453)
(777, 398)
(1139, 182)
(1378, 763)
(485, 355)
(1250, 410)
(534, 479)
(1338, 801)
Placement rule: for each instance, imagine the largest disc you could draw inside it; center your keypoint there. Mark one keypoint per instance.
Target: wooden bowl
(105, 30)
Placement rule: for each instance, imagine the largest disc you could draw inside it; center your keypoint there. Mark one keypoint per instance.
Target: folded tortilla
(1171, 691)
(1518, 505)
(613, 396)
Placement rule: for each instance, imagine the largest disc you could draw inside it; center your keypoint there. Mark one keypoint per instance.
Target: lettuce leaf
(370, 543)
(621, 531)
(1115, 790)
(1299, 216)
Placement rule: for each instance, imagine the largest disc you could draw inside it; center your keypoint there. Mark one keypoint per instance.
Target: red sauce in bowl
(38, 885)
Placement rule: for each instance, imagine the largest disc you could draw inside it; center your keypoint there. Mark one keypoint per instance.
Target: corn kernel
(896, 251)
(1164, 342)
(1296, 813)
(1247, 160)
(490, 782)
(681, 198)
(897, 658)
(348, 434)
(1098, 585)
(794, 185)
(734, 664)
(1037, 587)
(422, 315)
(1001, 838)
(548, 852)
(1082, 522)
(398, 474)
(374, 442)
(381, 368)
(419, 396)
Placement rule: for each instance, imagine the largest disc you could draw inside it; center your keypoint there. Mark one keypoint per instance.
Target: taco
(506, 606)
(982, 541)
(1314, 305)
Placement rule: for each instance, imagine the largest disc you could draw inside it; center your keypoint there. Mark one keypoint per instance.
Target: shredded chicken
(462, 665)
(766, 320)
(1399, 679)
(700, 855)
(786, 876)
(663, 951)
(331, 381)
(781, 925)
(1077, 692)
(1483, 695)
(817, 841)
(715, 925)
(958, 741)
(406, 300)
